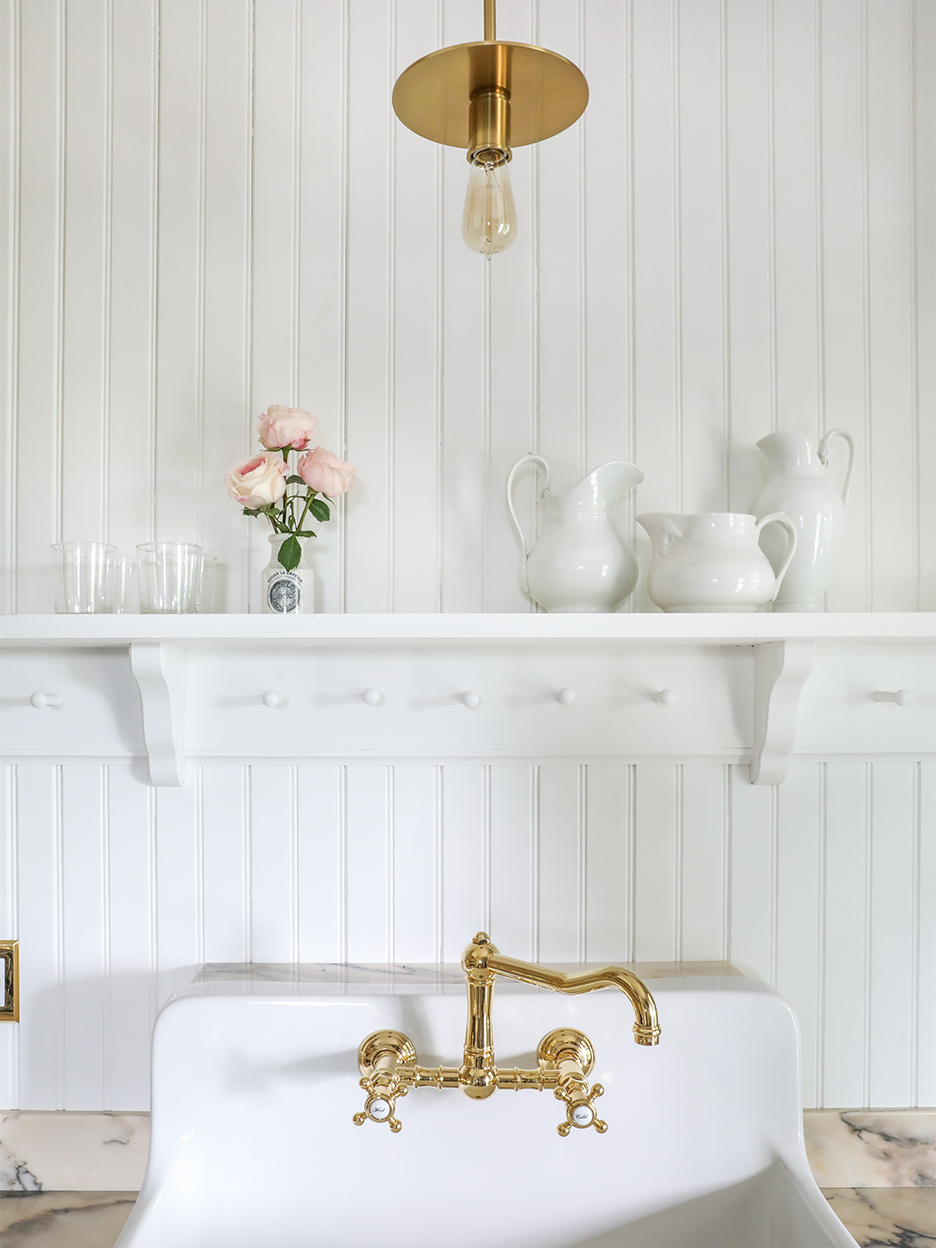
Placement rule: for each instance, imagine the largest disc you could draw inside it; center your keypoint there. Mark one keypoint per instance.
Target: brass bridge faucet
(387, 1059)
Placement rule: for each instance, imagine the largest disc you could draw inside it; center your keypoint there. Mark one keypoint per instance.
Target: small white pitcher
(799, 486)
(712, 562)
(579, 562)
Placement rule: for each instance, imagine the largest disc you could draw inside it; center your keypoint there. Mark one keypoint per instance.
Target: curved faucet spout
(481, 958)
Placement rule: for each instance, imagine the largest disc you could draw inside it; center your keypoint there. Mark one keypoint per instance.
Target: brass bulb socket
(489, 126)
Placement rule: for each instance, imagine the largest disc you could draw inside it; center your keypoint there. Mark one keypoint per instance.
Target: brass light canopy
(488, 98)
(546, 92)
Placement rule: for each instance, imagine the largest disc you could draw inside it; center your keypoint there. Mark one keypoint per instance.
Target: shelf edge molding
(781, 668)
(159, 672)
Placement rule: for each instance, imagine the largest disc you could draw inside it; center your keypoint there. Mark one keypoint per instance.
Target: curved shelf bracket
(158, 671)
(780, 671)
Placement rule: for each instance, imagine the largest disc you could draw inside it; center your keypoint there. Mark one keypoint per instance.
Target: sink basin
(255, 1081)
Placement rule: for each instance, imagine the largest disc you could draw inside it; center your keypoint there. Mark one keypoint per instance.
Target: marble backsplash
(107, 1152)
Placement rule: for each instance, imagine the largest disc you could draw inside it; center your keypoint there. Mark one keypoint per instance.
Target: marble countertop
(896, 1217)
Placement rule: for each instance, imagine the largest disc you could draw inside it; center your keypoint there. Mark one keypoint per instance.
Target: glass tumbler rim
(152, 548)
(69, 547)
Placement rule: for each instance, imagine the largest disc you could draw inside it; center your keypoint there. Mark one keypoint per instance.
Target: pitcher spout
(602, 490)
(662, 528)
(788, 451)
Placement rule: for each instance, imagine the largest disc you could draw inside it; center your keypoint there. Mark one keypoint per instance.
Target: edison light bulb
(490, 221)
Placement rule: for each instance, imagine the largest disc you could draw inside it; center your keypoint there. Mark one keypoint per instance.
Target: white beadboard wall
(825, 887)
(208, 206)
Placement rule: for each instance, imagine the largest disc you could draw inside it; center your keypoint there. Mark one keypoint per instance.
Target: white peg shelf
(395, 688)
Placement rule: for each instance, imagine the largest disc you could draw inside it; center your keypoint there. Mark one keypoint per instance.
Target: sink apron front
(255, 1083)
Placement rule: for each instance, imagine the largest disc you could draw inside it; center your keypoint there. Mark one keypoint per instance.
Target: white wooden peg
(471, 699)
(665, 697)
(565, 697)
(900, 696)
(373, 697)
(272, 698)
(45, 699)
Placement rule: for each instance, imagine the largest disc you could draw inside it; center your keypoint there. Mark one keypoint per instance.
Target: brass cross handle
(381, 1103)
(378, 1057)
(580, 1109)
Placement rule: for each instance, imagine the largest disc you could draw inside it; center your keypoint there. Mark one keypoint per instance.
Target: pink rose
(282, 426)
(325, 472)
(259, 481)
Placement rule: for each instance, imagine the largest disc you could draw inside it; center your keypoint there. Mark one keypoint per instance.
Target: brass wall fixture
(387, 1059)
(489, 98)
(9, 971)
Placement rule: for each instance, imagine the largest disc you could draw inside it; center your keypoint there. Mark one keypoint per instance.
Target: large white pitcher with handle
(580, 561)
(799, 486)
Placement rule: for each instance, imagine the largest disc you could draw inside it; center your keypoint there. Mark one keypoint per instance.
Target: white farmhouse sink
(255, 1081)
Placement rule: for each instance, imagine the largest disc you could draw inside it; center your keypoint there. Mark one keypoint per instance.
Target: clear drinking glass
(84, 573)
(205, 602)
(126, 599)
(169, 577)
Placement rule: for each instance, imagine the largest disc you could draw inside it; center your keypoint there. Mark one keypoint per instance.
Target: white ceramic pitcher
(579, 562)
(712, 562)
(798, 485)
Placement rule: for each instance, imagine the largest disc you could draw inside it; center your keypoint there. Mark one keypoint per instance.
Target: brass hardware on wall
(387, 1059)
(489, 98)
(9, 964)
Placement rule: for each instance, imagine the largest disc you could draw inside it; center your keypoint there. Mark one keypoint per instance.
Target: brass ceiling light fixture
(489, 98)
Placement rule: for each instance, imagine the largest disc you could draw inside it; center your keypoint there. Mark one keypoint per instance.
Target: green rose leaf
(290, 553)
(319, 510)
(292, 479)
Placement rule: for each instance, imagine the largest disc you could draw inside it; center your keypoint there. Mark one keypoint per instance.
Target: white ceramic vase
(798, 485)
(282, 592)
(712, 561)
(580, 562)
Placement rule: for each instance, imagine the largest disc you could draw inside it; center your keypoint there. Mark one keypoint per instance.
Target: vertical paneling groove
(12, 266)
(725, 301)
(772, 212)
(198, 781)
(866, 311)
(916, 851)
(295, 899)
(822, 941)
(867, 1002)
(774, 874)
(582, 831)
(107, 1012)
(345, 175)
(535, 863)
(343, 859)
(913, 258)
(296, 380)
(201, 264)
(818, 166)
(106, 276)
(59, 922)
(390, 816)
(677, 264)
(248, 864)
(61, 52)
(390, 467)
(678, 861)
(726, 863)
(583, 261)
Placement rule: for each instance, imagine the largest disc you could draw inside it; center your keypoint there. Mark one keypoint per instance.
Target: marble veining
(872, 1147)
(888, 1218)
(72, 1151)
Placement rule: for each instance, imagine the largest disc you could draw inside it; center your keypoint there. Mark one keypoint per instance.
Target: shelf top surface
(266, 630)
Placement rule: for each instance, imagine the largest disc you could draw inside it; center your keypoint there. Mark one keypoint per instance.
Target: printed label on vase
(284, 592)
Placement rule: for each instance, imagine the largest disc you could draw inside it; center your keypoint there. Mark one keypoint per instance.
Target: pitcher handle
(850, 442)
(777, 517)
(527, 459)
